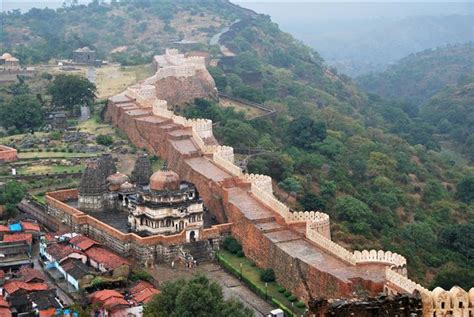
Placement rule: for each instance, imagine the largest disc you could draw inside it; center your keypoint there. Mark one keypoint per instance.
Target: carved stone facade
(168, 207)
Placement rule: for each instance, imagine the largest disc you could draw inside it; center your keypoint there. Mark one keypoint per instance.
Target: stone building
(168, 207)
(8, 62)
(84, 56)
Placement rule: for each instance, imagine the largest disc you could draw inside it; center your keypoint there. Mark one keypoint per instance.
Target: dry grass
(112, 79)
(250, 112)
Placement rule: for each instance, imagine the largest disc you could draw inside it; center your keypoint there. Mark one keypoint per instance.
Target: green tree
(355, 212)
(453, 276)
(196, 297)
(304, 132)
(290, 184)
(381, 164)
(311, 201)
(465, 189)
(105, 140)
(433, 191)
(70, 91)
(22, 112)
(10, 195)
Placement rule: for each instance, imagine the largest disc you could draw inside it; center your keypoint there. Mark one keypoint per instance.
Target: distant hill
(419, 76)
(452, 112)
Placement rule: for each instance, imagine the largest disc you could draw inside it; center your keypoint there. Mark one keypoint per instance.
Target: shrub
(281, 289)
(105, 140)
(267, 275)
(48, 150)
(300, 305)
(240, 254)
(40, 150)
(232, 245)
(140, 275)
(55, 150)
(287, 293)
(292, 298)
(70, 150)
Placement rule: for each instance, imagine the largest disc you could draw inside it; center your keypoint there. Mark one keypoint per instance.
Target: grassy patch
(43, 169)
(113, 79)
(44, 154)
(251, 275)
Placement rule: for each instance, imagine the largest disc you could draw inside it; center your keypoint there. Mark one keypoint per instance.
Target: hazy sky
(330, 9)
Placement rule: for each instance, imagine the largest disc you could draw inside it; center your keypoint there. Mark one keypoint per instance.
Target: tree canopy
(10, 195)
(70, 91)
(22, 112)
(196, 297)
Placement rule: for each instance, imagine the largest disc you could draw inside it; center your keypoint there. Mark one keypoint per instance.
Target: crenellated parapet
(203, 127)
(456, 302)
(142, 91)
(314, 234)
(264, 182)
(224, 151)
(380, 256)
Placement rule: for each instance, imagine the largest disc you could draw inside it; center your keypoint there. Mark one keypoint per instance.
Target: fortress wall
(196, 85)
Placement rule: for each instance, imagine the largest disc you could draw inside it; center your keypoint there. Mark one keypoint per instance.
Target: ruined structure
(297, 245)
(142, 171)
(8, 154)
(93, 190)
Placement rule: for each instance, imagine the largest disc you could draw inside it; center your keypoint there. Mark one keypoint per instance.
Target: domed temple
(148, 204)
(169, 206)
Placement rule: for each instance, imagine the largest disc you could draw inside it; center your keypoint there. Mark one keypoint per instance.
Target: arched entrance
(192, 236)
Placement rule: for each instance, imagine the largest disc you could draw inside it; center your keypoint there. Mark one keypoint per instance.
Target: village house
(5, 310)
(15, 251)
(78, 274)
(142, 292)
(15, 287)
(106, 261)
(110, 302)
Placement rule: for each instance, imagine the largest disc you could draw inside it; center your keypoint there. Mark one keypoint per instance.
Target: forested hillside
(451, 111)
(371, 163)
(419, 76)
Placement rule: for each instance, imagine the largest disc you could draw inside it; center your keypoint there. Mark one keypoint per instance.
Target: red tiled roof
(59, 251)
(102, 256)
(140, 286)
(145, 295)
(102, 295)
(16, 237)
(4, 228)
(13, 286)
(114, 303)
(5, 312)
(82, 242)
(30, 226)
(2, 274)
(3, 302)
(28, 274)
(48, 312)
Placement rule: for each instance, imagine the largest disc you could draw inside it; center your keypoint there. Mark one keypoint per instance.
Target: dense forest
(418, 77)
(374, 164)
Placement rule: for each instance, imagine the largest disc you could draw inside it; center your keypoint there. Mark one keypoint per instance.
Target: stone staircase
(201, 251)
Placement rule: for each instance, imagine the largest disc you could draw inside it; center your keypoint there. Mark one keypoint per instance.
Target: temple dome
(164, 180)
(6, 56)
(117, 179)
(126, 187)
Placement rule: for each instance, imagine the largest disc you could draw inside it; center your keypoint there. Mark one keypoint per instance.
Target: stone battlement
(380, 256)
